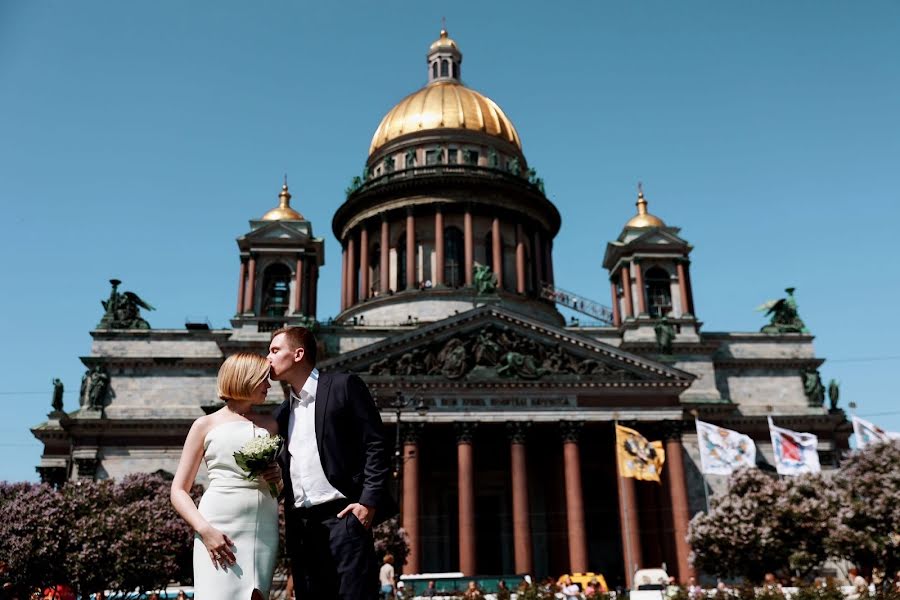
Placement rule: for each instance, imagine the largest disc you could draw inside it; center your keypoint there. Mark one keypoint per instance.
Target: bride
(236, 524)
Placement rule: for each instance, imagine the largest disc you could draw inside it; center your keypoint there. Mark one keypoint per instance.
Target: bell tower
(649, 274)
(279, 270)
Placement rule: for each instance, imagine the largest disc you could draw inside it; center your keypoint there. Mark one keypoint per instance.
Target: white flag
(722, 451)
(868, 433)
(795, 452)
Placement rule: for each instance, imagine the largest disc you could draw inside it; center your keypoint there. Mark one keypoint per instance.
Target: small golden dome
(443, 42)
(283, 212)
(643, 218)
(444, 105)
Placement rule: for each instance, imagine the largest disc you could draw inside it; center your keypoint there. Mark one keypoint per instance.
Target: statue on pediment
(58, 389)
(515, 364)
(813, 387)
(487, 351)
(834, 393)
(452, 359)
(665, 335)
(485, 280)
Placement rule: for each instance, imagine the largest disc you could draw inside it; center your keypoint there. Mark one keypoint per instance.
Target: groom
(335, 472)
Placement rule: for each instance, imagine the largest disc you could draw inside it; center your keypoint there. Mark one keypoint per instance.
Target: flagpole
(620, 489)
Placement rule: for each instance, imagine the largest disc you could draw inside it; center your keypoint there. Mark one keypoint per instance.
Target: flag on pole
(869, 433)
(795, 452)
(637, 457)
(723, 451)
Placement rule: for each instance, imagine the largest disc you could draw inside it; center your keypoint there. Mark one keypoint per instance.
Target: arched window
(444, 69)
(434, 68)
(276, 290)
(659, 291)
(454, 257)
(375, 269)
(401, 261)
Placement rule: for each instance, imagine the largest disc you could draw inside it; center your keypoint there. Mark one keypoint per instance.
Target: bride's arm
(217, 544)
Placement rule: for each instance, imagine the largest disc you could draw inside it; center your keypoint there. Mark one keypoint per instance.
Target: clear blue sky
(138, 138)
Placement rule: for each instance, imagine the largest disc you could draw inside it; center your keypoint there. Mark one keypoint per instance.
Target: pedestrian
(386, 577)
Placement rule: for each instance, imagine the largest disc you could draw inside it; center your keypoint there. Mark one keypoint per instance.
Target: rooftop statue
(834, 393)
(123, 310)
(57, 395)
(784, 315)
(665, 335)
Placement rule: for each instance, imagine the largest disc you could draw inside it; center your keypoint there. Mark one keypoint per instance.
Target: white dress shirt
(308, 480)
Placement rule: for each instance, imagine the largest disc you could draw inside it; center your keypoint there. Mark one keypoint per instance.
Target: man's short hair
(299, 337)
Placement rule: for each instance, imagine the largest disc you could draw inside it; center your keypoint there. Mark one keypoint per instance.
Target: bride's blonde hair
(240, 374)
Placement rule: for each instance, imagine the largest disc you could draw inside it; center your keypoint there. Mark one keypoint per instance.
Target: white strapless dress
(241, 509)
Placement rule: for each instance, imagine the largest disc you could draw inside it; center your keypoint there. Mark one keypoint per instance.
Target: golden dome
(283, 212)
(643, 218)
(444, 105)
(442, 43)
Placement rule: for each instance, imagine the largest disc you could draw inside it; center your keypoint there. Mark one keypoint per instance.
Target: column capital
(570, 430)
(672, 430)
(410, 433)
(517, 431)
(465, 431)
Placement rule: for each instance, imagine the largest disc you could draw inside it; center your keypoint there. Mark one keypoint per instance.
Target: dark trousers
(331, 558)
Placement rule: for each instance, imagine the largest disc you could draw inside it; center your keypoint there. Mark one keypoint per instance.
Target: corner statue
(784, 315)
(123, 310)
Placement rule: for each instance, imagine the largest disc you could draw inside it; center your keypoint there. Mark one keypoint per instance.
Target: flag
(795, 452)
(637, 457)
(723, 451)
(868, 433)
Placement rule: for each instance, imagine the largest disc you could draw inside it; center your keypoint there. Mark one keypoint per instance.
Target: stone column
(344, 279)
(690, 289)
(626, 291)
(518, 432)
(438, 276)
(497, 250)
(469, 243)
(675, 479)
(465, 432)
(364, 262)
(313, 290)
(352, 275)
(520, 260)
(682, 288)
(241, 277)
(578, 559)
(550, 279)
(251, 283)
(538, 252)
(298, 287)
(385, 266)
(410, 505)
(410, 250)
(628, 518)
(613, 292)
(641, 292)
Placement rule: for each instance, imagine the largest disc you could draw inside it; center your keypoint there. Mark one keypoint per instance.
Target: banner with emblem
(723, 451)
(795, 453)
(869, 433)
(637, 457)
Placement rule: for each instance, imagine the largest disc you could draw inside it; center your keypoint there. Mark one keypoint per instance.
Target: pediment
(270, 231)
(493, 344)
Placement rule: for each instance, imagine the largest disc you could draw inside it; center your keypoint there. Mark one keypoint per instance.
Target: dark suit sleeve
(375, 468)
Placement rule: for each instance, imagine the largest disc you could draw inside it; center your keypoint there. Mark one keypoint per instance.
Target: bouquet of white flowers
(256, 455)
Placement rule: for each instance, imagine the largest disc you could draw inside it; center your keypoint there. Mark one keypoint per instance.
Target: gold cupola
(643, 219)
(444, 103)
(283, 212)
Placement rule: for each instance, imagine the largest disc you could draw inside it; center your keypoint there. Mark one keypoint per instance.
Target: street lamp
(398, 404)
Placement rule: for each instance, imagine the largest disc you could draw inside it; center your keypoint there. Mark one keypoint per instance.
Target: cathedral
(499, 414)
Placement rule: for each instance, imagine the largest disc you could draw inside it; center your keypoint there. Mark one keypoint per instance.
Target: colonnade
(356, 284)
(517, 435)
(633, 305)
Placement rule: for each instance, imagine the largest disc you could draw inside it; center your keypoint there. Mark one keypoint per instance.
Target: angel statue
(123, 310)
(485, 280)
(784, 316)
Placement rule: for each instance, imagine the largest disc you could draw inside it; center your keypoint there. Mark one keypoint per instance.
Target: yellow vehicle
(583, 579)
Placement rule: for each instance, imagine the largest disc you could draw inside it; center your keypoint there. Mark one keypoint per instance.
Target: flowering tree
(94, 535)
(391, 538)
(762, 524)
(866, 526)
